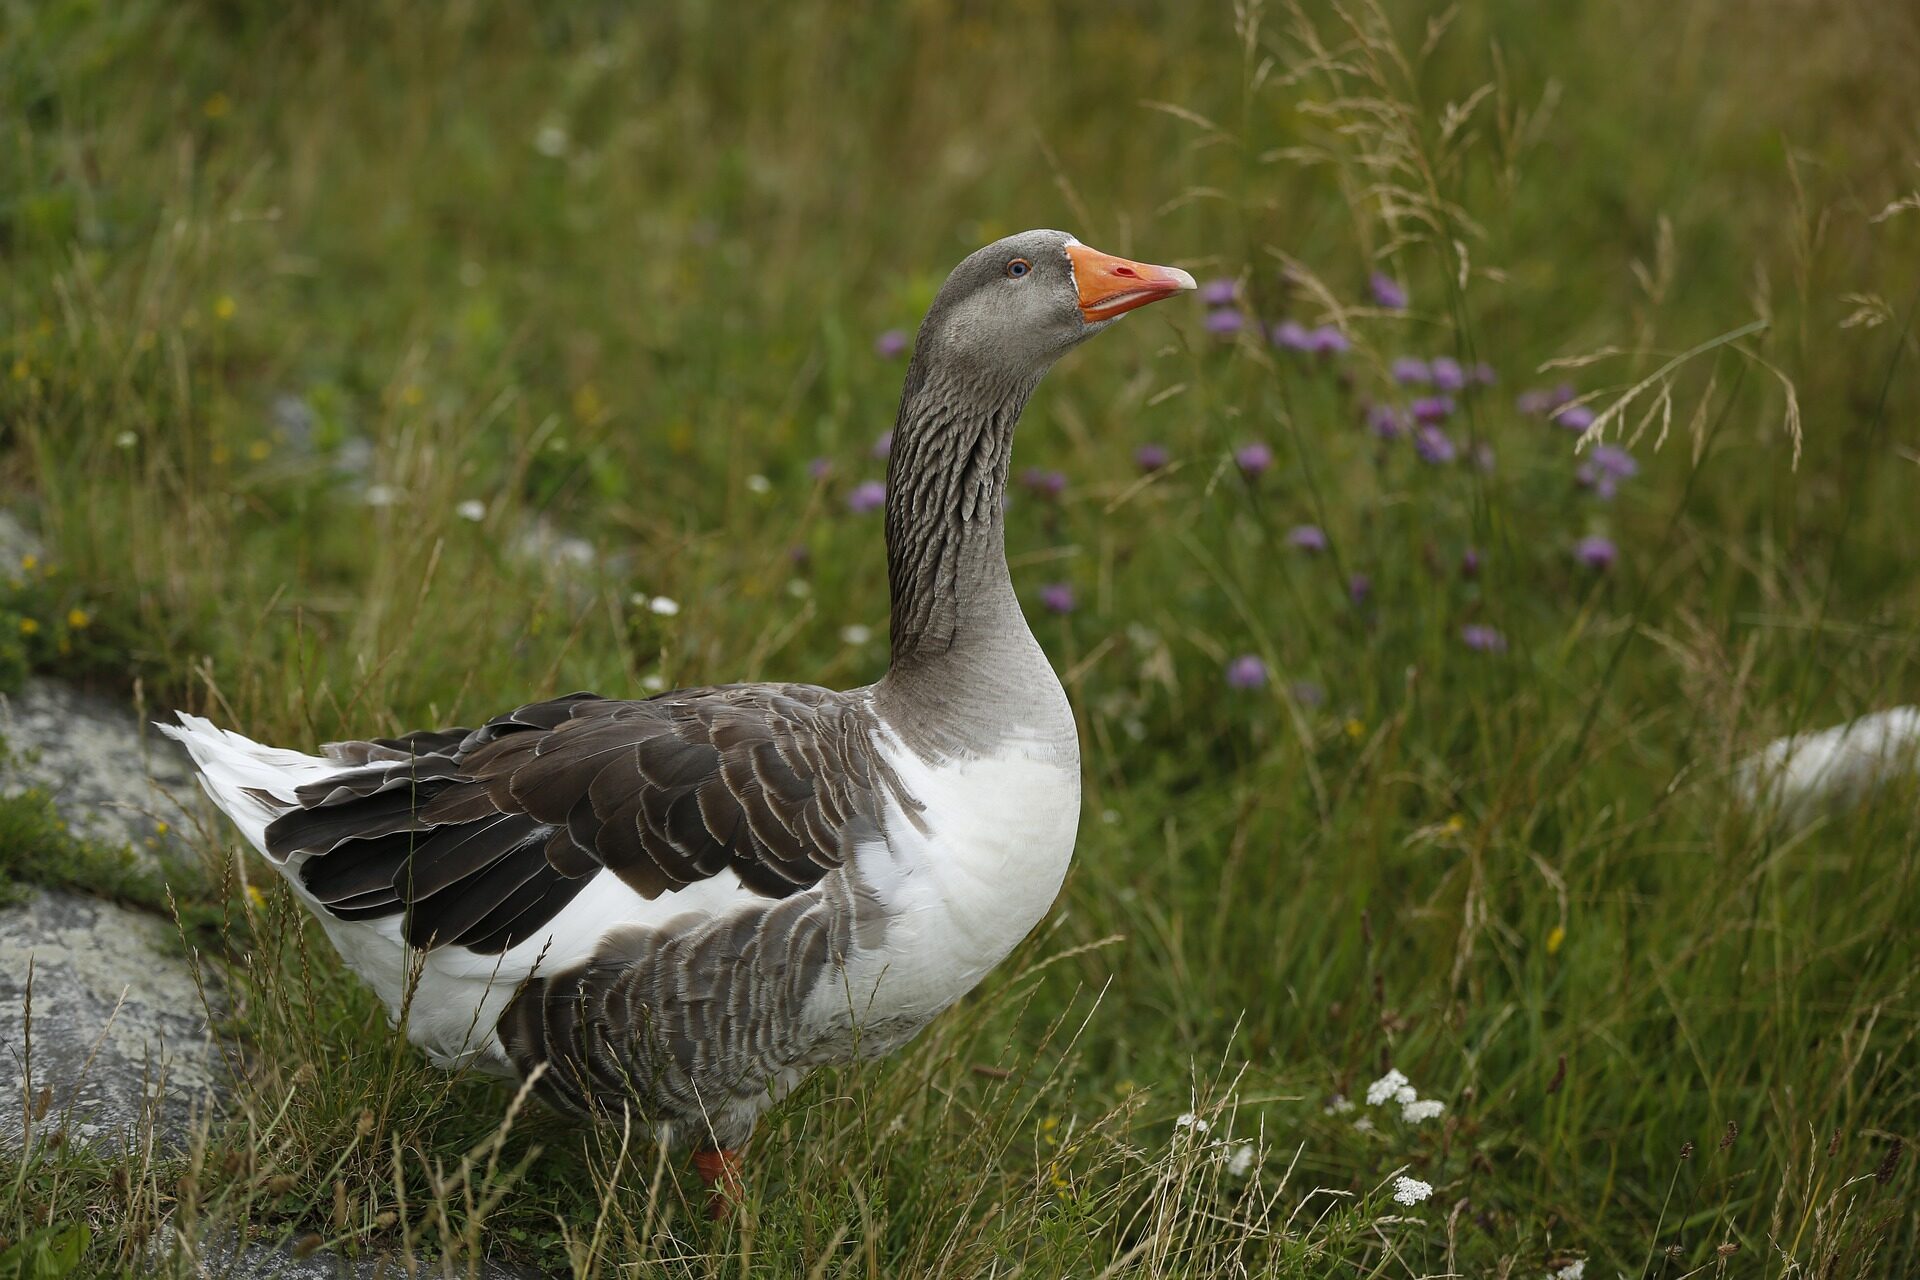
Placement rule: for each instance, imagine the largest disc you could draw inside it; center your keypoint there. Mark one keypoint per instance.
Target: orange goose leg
(720, 1172)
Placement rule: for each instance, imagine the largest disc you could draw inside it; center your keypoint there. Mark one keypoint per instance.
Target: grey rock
(116, 1030)
(110, 775)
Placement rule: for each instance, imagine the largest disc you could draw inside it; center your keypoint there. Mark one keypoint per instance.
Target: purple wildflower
(1411, 371)
(890, 344)
(1596, 552)
(1534, 402)
(820, 468)
(1220, 292)
(1447, 374)
(1387, 422)
(1433, 445)
(1484, 375)
(1329, 341)
(1047, 484)
(882, 445)
(1614, 461)
(1359, 587)
(1308, 694)
(1431, 409)
(1057, 597)
(1253, 459)
(1562, 394)
(868, 495)
(1604, 469)
(1387, 291)
(1482, 639)
(1151, 457)
(1470, 563)
(1246, 672)
(1575, 417)
(1307, 537)
(1292, 335)
(1225, 322)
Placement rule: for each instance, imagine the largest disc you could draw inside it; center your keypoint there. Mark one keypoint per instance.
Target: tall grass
(287, 295)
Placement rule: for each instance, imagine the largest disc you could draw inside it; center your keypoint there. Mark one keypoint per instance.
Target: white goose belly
(961, 880)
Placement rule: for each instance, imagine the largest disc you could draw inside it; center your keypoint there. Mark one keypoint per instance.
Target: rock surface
(117, 1032)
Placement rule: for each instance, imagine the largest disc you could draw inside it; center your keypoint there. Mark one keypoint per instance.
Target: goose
(675, 908)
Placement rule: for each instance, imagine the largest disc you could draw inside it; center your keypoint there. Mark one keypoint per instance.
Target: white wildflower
(1418, 1111)
(799, 588)
(552, 141)
(1410, 1190)
(1405, 1095)
(126, 440)
(1572, 1271)
(1110, 816)
(1338, 1105)
(653, 683)
(665, 606)
(1363, 1125)
(1239, 1159)
(855, 634)
(472, 509)
(757, 483)
(1188, 1120)
(1385, 1087)
(380, 495)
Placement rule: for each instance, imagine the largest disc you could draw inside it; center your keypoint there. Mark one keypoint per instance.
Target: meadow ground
(381, 365)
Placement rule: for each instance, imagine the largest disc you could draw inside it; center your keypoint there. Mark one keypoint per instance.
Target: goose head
(1017, 305)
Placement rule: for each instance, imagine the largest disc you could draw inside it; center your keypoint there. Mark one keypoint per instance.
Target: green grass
(1521, 878)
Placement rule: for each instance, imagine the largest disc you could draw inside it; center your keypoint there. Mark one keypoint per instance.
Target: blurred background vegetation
(376, 365)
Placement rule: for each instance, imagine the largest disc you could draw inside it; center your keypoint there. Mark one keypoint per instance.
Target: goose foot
(720, 1172)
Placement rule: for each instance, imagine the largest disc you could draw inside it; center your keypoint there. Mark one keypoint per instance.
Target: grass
(595, 270)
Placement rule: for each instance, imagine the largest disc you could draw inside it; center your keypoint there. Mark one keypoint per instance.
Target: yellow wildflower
(411, 395)
(259, 450)
(216, 106)
(79, 619)
(224, 306)
(161, 828)
(28, 627)
(29, 562)
(256, 897)
(1456, 824)
(1356, 729)
(1555, 937)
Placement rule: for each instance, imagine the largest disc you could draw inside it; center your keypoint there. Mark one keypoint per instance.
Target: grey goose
(676, 907)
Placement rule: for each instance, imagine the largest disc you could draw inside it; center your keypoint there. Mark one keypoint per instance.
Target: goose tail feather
(1799, 775)
(251, 783)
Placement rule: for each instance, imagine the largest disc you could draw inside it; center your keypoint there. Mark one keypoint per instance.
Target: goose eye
(1018, 267)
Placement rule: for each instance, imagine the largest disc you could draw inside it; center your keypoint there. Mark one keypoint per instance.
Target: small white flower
(653, 683)
(855, 634)
(1572, 1271)
(1410, 1190)
(1405, 1095)
(380, 495)
(799, 588)
(126, 440)
(551, 141)
(1188, 1120)
(757, 483)
(1338, 1105)
(1418, 1112)
(1240, 1159)
(1363, 1125)
(472, 509)
(1110, 816)
(1385, 1087)
(665, 606)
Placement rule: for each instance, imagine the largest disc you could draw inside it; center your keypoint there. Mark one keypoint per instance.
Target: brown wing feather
(482, 836)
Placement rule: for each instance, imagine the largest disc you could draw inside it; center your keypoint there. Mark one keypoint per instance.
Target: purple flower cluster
(1327, 340)
(1603, 469)
(867, 496)
(1043, 483)
(1307, 537)
(1151, 457)
(1246, 672)
(890, 344)
(1253, 459)
(1058, 597)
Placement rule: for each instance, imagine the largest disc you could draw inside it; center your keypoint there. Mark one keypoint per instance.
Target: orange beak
(1111, 286)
